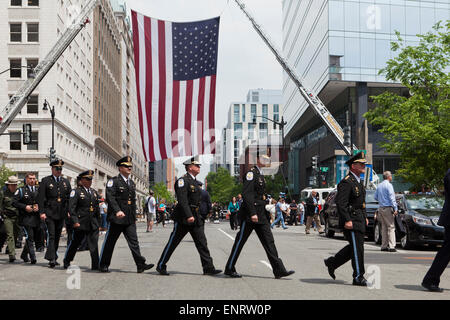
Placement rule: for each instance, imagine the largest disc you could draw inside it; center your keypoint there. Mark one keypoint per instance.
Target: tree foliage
(418, 126)
(275, 185)
(160, 190)
(222, 186)
(5, 173)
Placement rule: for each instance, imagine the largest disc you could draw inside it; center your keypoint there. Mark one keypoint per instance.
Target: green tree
(418, 126)
(160, 190)
(5, 173)
(222, 186)
(275, 185)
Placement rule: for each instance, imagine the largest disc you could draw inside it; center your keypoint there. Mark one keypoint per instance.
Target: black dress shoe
(284, 274)
(33, 261)
(162, 272)
(385, 249)
(12, 259)
(66, 264)
(360, 281)
(432, 287)
(57, 263)
(144, 267)
(330, 268)
(392, 250)
(233, 274)
(52, 264)
(25, 259)
(104, 269)
(211, 272)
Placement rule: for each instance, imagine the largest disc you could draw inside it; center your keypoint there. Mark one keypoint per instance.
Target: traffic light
(26, 128)
(314, 163)
(347, 136)
(52, 154)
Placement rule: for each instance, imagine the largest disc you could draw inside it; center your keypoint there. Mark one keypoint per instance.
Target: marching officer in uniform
(27, 202)
(255, 217)
(10, 213)
(53, 201)
(121, 199)
(351, 206)
(187, 218)
(84, 212)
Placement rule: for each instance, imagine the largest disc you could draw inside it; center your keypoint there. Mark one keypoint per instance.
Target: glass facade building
(337, 48)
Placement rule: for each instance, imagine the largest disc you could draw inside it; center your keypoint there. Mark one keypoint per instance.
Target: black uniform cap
(359, 157)
(87, 174)
(193, 160)
(57, 163)
(125, 161)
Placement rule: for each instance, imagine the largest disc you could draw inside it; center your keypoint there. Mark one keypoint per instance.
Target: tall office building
(248, 123)
(338, 47)
(31, 28)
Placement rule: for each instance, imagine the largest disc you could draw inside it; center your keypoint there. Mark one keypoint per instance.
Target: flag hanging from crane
(176, 67)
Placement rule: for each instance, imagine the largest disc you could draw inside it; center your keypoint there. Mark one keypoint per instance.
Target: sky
(244, 60)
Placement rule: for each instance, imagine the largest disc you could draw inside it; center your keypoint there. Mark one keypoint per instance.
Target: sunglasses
(58, 168)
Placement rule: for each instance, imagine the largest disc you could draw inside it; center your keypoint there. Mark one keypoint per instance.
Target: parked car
(331, 217)
(419, 215)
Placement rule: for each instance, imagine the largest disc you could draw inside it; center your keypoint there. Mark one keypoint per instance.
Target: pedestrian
(433, 276)
(27, 202)
(271, 208)
(121, 200)
(10, 213)
(312, 213)
(162, 211)
(238, 216)
(255, 217)
(187, 218)
(280, 209)
(53, 201)
(103, 214)
(84, 212)
(150, 209)
(216, 212)
(387, 211)
(351, 207)
(233, 209)
(293, 213)
(301, 212)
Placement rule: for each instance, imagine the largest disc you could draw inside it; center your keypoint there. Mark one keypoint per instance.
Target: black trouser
(54, 228)
(233, 220)
(113, 233)
(293, 218)
(30, 236)
(197, 234)
(440, 262)
(40, 236)
(3, 235)
(265, 236)
(354, 251)
(76, 239)
(19, 237)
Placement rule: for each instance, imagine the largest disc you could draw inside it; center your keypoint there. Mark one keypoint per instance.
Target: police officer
(255, 217)
(121, 199)
(350, 203)
(187, 218)
(53, 201)
(27, 202)
(85, 215)
(11, 214)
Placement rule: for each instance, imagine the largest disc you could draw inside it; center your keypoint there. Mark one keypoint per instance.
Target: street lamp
(52, 113)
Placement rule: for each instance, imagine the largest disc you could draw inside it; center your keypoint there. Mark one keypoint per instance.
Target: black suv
(331, 216)
(419, 215)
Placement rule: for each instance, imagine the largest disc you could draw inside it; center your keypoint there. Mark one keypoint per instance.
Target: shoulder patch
(181, 183)
(249, 176)
(17, 192)
(72, 193)
(110, 183)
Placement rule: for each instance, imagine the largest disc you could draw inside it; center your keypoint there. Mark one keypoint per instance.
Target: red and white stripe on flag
(176, 67)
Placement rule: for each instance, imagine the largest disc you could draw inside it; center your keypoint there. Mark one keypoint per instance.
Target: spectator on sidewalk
(387, 211)
(162, 211)
(103, 215)
(312, 213)
(233, 209)
(150, 210)
(301, 212)
(293, 214)
(279, 209)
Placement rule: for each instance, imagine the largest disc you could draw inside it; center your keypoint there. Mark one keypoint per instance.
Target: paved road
(400, 273)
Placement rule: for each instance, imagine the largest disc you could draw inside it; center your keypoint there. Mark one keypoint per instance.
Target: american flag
(176, 66)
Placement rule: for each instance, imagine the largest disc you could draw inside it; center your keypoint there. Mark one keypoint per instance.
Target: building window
(16, 3)
(262, 130)
(33, 32)
(34, 142)
(243, 113)
(15, 68)
(32, 105)
(251, 130)
(276, 112)
(31, 64)
(255, 96)
(253, 111)
(236, 113)
(15, 32)
(33, 3)
(15, 142)
(238, 130)
(265, 112)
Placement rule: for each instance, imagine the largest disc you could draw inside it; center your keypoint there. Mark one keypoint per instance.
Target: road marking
(266, 264)
(419, 258)
(226, 234)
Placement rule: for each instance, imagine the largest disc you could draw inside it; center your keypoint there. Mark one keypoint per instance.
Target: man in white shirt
(151, 211)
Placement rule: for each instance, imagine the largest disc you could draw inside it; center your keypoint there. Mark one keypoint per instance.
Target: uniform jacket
(350, 203)
(84, 208)
(121, 197)
(7, 203)
(26, 197)
(444, 219)
(188, 194)
(205, 204)
(53, 197)
(253, 195)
